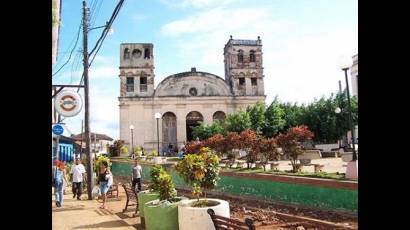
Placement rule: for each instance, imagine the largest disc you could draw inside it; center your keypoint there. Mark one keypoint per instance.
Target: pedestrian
(58, 182)
(77, 175)
(105, 180)
(136, 176)
(142, 151)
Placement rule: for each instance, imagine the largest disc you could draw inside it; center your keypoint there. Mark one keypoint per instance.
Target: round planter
(143, 198)
(197, 218)
(161, 216)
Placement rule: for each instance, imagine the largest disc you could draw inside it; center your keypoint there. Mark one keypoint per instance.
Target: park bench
(132, 198)
(309, 155)
(113, 189)
(224, 223)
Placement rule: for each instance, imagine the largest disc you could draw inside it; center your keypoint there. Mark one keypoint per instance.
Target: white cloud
(298, 65)
(139, 17)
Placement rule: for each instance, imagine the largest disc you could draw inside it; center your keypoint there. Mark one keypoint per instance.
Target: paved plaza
(86, 214)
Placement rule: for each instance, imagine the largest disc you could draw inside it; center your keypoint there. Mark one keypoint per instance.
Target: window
(136, 53)
(126, 53)
(240, 56)
(254, 81)
(147, 53)
(193, 92)
(241, 81)
(143, 84)
(130, 84)
(252, 56)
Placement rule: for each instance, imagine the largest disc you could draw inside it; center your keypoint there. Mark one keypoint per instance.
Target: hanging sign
(57, 129)
(68, 103)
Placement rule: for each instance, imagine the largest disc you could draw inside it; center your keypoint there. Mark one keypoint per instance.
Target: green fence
(309, 195)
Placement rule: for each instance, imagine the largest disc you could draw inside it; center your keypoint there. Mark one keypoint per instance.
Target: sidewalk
(86, 214)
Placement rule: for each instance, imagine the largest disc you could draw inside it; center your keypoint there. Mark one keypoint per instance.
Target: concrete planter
(161, 216)
(197, 218)
(143, 198)
(160, 160)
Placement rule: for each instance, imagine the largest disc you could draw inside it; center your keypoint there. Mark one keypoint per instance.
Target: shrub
(200, 170)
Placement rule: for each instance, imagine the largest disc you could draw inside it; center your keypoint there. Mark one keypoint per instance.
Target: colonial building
(184, 99)
(354, 73)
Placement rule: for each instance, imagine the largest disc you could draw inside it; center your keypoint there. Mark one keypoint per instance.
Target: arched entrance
(192, 120)
(219, 116)
(169, 129)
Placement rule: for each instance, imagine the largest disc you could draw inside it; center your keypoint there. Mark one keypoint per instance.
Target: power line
(103, 35)
(72, 50)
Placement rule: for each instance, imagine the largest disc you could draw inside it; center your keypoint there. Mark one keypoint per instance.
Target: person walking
(58, 182)
(136, 176)
(105, 180)
(77, 175)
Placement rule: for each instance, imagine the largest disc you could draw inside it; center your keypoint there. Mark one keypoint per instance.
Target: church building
(183, 100)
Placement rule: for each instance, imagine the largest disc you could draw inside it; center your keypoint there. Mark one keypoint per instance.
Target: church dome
(191, 84)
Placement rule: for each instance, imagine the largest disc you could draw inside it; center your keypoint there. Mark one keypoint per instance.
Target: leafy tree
(290, 142)
(257, 116)
(204, 131)
(247, 140)
(237, 122)
(274, 119)
(267, 150)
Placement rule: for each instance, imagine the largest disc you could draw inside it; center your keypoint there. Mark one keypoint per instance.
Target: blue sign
(58, 129)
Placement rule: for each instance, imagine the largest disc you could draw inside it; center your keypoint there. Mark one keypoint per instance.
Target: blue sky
(302, 40)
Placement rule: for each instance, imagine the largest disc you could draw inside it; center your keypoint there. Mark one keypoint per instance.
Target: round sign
(68, 103)
(58, 129)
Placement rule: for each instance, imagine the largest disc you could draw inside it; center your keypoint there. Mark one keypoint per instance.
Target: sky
(302, 42)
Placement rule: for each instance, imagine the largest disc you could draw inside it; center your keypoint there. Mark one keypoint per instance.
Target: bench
(113, 188)
(132, 198)
(224, 223)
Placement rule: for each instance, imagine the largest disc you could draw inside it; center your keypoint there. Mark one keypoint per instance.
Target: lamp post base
(351, 170)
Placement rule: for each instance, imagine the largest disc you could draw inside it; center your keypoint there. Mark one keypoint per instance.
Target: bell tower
(243, 67)
(137, 69)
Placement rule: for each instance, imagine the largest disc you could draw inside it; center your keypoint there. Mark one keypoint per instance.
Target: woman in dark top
(105, 181)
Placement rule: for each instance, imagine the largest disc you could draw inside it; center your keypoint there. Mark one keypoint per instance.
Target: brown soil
(265, 214)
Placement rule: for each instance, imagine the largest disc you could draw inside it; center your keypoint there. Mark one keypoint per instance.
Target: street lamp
(158, 116)
(344, 64)
(132, 138)
(338, 110)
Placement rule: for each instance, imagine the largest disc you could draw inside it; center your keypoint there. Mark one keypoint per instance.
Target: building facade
(354, 74)
(184, 99)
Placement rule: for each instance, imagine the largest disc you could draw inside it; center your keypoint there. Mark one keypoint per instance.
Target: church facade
(184, 99)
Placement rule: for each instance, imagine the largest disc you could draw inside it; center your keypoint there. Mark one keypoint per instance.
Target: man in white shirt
(136, 176)
(77, 172)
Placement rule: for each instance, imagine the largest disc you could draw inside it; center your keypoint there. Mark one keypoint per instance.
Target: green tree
(204, 131)
(274, 119)
(237, 122)
(293, 115)
(257, 116)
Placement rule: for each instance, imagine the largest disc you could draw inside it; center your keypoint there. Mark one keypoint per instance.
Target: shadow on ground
(106, 224)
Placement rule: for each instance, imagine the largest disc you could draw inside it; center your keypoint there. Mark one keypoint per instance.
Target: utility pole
(86, 103)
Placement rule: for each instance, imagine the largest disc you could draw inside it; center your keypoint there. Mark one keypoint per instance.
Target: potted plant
(201, 171)
(151, 193)
(137, 151)
(165, 208)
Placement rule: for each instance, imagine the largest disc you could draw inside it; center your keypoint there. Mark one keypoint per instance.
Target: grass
(324, 175)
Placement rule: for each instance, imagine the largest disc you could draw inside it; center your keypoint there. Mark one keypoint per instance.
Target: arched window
(136, 53)
(147, 53)
(126, 53)
(219, 116)
(252, 56)
(240, 56)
